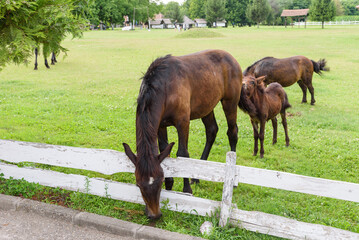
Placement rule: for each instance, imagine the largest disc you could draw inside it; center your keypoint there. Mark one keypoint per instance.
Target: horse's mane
(249, 68)
(150, 97)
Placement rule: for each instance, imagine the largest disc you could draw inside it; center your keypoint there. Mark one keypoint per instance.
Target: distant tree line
(235, 12)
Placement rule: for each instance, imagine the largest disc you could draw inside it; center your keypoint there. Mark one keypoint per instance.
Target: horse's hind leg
(162, 143)
(275, 126)
(230, 110)
(211, 126)
(304, 90)
(53, 59)
(183, 131)
(311, 90)
(284, 123)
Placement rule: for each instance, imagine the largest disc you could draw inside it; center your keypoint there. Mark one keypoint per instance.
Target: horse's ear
(261, 79)
(165, 152)
(130, 154)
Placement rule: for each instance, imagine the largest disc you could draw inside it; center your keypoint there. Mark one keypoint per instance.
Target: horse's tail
(320, 66)
(286, 103)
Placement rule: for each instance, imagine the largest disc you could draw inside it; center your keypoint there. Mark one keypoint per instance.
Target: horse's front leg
(46, 63)
(261, 136)
(256, 136)
(36, 53)
(275, 126)
(162, 143)
(211, 126)
(183, 131)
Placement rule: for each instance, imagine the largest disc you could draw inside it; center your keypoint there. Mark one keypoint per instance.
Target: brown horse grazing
(287, 71)
(263, 103)
(174, 91)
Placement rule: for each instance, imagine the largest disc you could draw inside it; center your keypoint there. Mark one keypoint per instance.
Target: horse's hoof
(261, 156)
(194, 181)
(187, 190)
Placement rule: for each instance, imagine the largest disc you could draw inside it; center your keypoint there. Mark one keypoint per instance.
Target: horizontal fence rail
(330, 23)
(110, 162)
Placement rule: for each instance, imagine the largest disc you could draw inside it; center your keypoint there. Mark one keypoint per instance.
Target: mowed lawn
(89, 99)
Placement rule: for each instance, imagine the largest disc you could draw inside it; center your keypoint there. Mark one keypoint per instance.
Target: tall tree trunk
(322, 24)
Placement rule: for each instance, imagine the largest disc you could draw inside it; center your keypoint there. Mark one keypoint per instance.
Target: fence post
(226, 204)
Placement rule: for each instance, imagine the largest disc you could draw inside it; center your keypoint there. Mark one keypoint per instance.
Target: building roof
(294, 12)
(156, 22)
(200, 21)
(187, 20)
(167, 21)
(221, 21)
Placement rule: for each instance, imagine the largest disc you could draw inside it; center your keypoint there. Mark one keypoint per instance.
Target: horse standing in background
(288, 71)
(53, 59)
(174, 91)
(263, 104)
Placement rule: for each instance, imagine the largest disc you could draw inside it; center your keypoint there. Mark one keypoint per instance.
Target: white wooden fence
(110, 162)
(330, 23)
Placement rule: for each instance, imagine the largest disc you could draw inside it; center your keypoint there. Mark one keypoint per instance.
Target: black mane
(249, 68)
(149, 102)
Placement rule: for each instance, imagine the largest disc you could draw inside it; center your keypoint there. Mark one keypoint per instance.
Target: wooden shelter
(295, 13)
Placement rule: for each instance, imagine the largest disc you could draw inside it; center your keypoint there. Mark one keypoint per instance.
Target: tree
(339, 10)
(215, 10)
(197, 9)
(258, 11)
(236, 11)
(172, 11)
(27, 24)
(322, 10)
(350, 7)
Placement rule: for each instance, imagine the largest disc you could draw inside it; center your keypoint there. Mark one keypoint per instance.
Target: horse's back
(200, 80)
(285, 71)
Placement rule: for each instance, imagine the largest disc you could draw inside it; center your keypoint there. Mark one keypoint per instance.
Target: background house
(200, 22)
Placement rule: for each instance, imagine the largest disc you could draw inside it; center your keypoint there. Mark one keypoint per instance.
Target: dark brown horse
(174, 91)
(263, 104)
(288, 71)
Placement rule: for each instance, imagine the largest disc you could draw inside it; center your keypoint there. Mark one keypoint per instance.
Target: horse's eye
(252, 83)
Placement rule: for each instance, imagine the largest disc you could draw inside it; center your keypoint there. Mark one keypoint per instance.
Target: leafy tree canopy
(27, 24)
(215, 10)
(322, 10)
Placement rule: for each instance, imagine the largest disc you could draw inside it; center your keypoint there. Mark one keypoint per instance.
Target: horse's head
(250, 84)
(149, 178)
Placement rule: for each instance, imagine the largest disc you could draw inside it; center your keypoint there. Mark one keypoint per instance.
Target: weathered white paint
(298, 183)
(226, 204)
(253, 221)
(103, 160)
(109, 162)
(287, 228)
(180, 202)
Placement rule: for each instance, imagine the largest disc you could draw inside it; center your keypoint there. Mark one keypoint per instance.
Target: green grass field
(89, 99)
